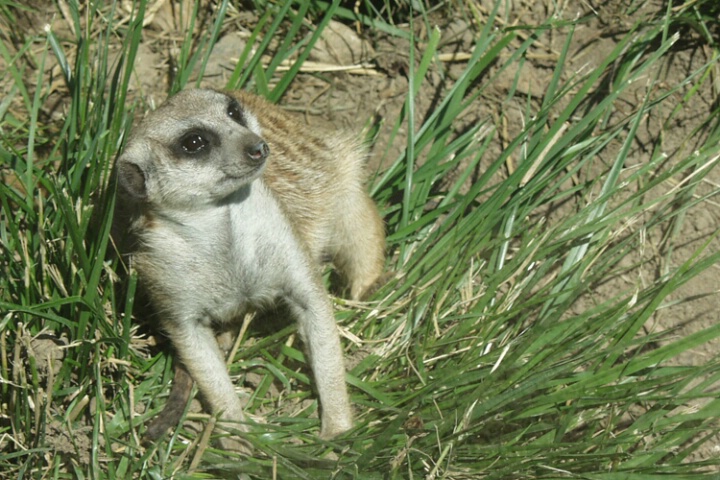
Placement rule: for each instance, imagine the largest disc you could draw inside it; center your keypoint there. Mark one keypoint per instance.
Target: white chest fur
(223, 258)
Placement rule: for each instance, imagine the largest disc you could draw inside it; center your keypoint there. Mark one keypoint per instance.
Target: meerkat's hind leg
(360, 237)
(319, 333)
(310, 306)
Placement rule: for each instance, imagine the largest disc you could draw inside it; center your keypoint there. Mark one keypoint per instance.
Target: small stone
(340, 45)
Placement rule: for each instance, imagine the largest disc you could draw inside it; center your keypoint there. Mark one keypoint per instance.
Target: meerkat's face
(199, 147)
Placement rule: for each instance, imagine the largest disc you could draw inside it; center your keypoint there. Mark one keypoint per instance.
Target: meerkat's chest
(222, 260)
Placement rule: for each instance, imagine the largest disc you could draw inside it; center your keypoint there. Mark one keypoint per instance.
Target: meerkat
(235, 206)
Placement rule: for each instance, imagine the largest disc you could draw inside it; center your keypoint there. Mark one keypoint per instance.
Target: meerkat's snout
(244, 156)
(258, 152)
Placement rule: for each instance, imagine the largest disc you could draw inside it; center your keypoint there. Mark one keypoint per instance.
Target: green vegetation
(489, 354)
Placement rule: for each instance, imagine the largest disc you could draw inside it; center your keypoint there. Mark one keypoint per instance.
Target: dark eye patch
(235, 112)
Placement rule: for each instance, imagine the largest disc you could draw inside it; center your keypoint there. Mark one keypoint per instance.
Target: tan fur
(229, 228)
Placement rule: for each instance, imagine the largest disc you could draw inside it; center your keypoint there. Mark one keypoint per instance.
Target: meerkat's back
(319, 178)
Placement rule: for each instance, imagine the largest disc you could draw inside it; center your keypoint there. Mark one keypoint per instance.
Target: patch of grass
(486, 356)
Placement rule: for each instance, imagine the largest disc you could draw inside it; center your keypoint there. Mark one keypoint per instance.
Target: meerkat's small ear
(132, 179)
(132, 172)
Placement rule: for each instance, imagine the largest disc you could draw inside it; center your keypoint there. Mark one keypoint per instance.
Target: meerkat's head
(198, 147)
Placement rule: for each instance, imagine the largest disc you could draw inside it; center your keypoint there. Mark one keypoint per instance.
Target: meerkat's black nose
(258, 152)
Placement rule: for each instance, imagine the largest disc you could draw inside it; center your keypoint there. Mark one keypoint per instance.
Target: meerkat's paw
(331, 428)
(235, 444)
(230, 440)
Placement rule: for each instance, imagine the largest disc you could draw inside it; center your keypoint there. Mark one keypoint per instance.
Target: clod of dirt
(255, 380)
(148, 70)
(164, 16)
(225, 55)
(75, 443)
(458, 33)
(48, 352)
(525, 80)
(340, 45)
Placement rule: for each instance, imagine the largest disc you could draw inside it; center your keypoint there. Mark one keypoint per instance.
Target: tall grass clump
(488, 353)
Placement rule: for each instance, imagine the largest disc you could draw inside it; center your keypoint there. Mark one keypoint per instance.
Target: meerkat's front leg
(198, 349)
(180, 394)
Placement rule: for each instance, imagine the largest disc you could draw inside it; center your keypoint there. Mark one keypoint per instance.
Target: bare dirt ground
(351, 100)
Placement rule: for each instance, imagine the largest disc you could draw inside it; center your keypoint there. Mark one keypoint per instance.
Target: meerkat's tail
(174, 408)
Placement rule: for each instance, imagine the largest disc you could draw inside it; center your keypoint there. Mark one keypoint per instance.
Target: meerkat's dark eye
(235, 112)
(193, 142)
